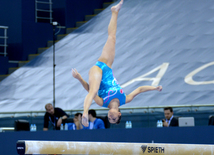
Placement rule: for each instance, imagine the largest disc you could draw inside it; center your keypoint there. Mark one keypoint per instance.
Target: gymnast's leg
(139, 90)
(107, 56)
(95, 76)
(108, 52)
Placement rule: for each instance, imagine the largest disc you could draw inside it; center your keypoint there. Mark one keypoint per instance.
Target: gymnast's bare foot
(85, 119)
(117, 7)
(159, 88)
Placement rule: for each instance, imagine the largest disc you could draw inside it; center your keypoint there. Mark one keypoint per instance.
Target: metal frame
(5, 40)
(41, 10)
(106, 109)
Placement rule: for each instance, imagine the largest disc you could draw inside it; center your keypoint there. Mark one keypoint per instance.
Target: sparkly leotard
(109, 87)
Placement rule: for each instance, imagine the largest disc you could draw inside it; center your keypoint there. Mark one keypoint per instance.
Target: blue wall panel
(76, 10)
(3, 65)
(25, 35)
(28, 10)
(35, 35)
(11, 16)
(188, 135)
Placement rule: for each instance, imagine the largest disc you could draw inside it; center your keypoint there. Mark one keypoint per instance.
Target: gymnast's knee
(112, 38)
(92, 92)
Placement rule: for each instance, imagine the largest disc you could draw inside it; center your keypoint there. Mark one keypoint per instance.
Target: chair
(22, 125)
(211, 120)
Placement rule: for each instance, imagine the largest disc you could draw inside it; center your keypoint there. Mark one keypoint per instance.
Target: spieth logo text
(149, 149)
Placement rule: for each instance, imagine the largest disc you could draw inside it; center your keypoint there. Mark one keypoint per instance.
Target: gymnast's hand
(159, 88)
(75, 74)
(85, 119)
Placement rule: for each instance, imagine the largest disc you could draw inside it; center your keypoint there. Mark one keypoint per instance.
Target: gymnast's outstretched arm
(77, 75)
(139, 90)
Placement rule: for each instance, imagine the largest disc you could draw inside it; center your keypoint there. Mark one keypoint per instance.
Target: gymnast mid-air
(102, 81)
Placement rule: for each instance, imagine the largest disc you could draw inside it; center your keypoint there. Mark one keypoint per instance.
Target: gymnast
(102, 81)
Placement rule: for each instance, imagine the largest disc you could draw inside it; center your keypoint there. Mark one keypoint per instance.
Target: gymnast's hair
(118, 121)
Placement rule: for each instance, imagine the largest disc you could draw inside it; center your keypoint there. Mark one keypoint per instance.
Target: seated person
(77, 124)
(95, 123)
(55, 116)
(169, 120)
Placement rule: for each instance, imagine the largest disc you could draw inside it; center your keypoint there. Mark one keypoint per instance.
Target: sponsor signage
(151, 149)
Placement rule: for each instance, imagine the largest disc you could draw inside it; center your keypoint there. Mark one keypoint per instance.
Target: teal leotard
(109, 87)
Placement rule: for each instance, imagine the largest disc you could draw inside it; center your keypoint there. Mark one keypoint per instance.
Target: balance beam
(98, 148)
